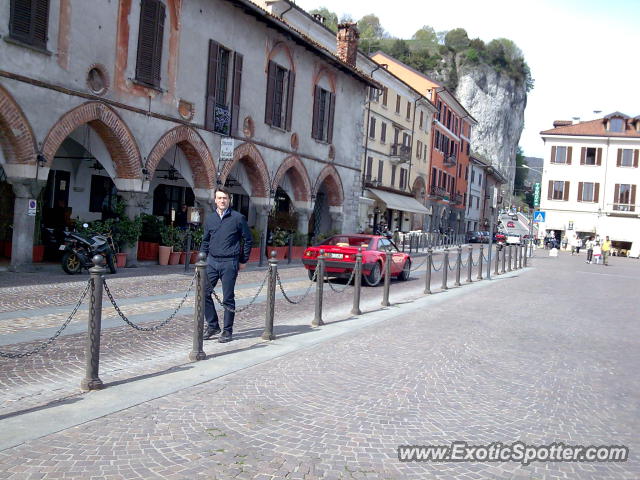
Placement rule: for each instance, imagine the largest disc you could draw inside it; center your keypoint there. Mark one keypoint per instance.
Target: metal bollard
(197, 353)
(521, 255)
(387, 279)
(515, 257)
(427, 280)
(510, 258)
(495, 270)
(357, 284)
(470, 260)
(263, 247)
(289, 247)
(479, 277)
(317, 320)
(524, 260)
(504, 259)
(91, 379)
(445, 268)
(458, 266)
(271, 298)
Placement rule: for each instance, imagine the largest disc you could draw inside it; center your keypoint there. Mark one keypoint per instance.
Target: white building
(475, 194)
(590, 180)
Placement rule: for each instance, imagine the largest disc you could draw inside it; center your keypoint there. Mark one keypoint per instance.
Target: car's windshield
(347, 241)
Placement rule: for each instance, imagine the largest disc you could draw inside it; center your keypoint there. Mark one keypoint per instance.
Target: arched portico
(292, 176)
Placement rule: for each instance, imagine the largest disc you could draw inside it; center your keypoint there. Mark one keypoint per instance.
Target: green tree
(456, 39)
(330, 18)
(521, 171)
(370, 27)
(426, 39)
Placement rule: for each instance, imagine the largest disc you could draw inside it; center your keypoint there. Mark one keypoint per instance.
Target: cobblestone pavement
(549, 355)
(126, 354)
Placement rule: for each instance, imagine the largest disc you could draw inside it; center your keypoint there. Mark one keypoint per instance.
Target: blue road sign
(539, 216)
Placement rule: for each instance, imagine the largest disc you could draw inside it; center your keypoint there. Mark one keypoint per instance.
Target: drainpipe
(283, 13)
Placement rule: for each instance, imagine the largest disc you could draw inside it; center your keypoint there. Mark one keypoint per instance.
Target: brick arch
(418, 185)
(300, 178)
(335, 193)
(195, 150)
(281, 46)
(16, 135)
(115, 134)
(248, 155)
(325, 72)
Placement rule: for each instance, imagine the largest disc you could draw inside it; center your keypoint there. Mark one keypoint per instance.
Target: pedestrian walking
(597, 253)
(227, 244)
(606, 250)
(589, 246)
(578, 245)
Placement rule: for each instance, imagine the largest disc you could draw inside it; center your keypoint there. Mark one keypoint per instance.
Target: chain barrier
(485, 257)
(239, 310)
(155, 327)
(413, 269)
(464, 264)
(436, 269)
(287, 298)
(347, 284)
(48, 342)
(451, 266)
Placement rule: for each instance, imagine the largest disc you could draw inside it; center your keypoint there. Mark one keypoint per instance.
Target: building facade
(134, 99)
(590, 180)
(449, 149)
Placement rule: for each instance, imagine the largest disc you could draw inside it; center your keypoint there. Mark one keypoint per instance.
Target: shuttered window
(223, 92)
(323, 112)
(393, 175)
(372, 127)
(627, 157)
(624, 197)
(558, 190)
(369, 167)
(380, 170)
(590, 156)
(279, 101)
(150, 35)
(383, 132)
(29, 21)
(588, 192)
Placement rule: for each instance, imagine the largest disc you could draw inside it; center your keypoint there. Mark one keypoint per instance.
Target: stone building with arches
(133, 99)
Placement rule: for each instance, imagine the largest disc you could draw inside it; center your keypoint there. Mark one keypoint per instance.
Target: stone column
(135, 204)
(23, 224)
(337, 218)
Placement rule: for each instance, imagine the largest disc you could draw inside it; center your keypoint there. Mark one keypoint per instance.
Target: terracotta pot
(163, 255)
(121, 260)
(296, 252)
(152, 250)
(194, 257)
(38, 253)
(183, 258)
(174, 258)
(254, 256)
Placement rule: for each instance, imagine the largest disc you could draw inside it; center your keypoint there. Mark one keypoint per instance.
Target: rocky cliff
(497, 102)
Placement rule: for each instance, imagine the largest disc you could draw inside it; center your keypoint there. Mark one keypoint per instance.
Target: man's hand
(242, 266)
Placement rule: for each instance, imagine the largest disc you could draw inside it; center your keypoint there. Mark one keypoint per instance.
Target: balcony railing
(400, 153)
(222, 120)
(457, 199)
(439, 192)
(624, 207)
(450, 160)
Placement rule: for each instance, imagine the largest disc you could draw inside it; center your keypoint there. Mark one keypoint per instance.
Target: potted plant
(179, 245)
(166, 244)
(279, 241)
(149, 237)
(254, 256)
(196, 241)
(125, 234)
(299, 245)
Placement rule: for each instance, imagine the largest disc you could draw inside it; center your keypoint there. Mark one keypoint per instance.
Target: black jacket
(222, 236)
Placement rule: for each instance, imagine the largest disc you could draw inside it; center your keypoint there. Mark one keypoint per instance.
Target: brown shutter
(553, 154)
(332, 108)
(566, 191)
(596, 192)
(290, 89)
(40, 22)
(316, 112)
(599, 157)
(569, 152)
(150, 33)
(619, 162)
(580, 191)
(29, 20)
(550, 191)
(271, 85)
(212, 79)
(235, 96)
(616, 194)
(583, 154)
(635, 158)
(633, 198)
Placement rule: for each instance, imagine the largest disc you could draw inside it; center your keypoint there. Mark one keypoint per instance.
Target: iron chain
(287, 298)
(155, 327)
(420, 265)
(238, 310)
(45, 344)
(436, 269)
(337, 290)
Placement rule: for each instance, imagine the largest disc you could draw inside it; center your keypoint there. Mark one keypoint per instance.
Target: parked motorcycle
(79, 250)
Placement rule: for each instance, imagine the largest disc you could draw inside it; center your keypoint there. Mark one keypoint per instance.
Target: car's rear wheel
(406, 271)
(374, 276)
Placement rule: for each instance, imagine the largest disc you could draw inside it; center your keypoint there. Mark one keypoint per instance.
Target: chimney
(347, 42)
(561, 123)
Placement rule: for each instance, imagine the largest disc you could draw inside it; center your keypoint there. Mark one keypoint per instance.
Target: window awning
(399, 202)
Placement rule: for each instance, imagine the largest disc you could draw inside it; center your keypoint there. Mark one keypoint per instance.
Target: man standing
(606, 250)
(227, 244)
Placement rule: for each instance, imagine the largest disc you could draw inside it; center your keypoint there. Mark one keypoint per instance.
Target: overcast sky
(583, 54)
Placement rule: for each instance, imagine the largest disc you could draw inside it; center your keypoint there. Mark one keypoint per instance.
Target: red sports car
(340, 257)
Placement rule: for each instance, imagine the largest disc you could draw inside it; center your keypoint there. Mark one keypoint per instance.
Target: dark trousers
(589, 255)
(225, 270)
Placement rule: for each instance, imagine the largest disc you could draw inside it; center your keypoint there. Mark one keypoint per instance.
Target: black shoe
(225, 337)
(210, 333)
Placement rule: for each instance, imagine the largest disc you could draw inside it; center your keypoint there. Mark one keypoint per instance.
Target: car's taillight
(310, 253)
(348, 257)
